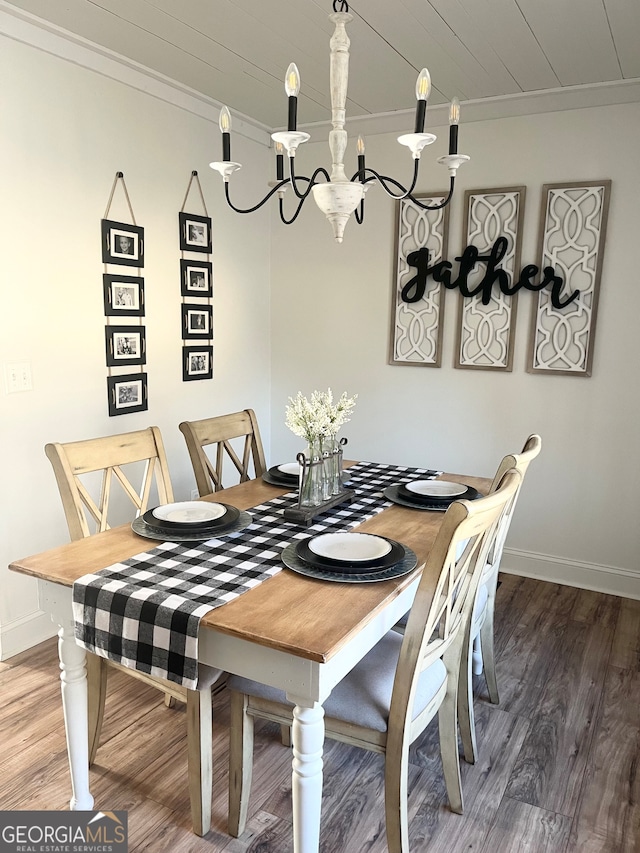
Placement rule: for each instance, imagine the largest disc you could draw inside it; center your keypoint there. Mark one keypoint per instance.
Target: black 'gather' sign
(414, 289)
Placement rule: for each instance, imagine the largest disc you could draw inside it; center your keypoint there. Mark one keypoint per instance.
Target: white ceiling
(237, 51)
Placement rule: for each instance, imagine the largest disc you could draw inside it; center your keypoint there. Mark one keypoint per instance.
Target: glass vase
(326, 451)
(312, 486)
(333, 465)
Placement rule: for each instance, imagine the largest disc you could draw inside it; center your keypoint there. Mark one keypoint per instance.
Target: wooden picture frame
(122, 243)
(417, 328)
(571, 240)
(125, 345)
(123, 295)
(127, 394)
(197, 321)
(196, 278)
(197, 363)
(485, 334)
(195, 233)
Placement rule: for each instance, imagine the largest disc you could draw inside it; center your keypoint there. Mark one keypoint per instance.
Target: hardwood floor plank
(609, 805)
(264, 833)
(434, 827)
(551, 764)
(30, 777)
(626, 639)
(512, 599)
(596, 608)
(526, 663)
(527, 829)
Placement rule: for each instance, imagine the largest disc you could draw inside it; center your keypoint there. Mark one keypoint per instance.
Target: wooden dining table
(299, 634)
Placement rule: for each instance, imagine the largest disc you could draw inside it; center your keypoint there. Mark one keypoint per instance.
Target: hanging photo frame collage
(124, 308)
(196, 290)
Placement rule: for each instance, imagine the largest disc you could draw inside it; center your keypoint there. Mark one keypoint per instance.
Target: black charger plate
(327, 564)
(225, 520)
(406, 564)
(468, 494)
(276, 477)
(391, 493)
(139, 526)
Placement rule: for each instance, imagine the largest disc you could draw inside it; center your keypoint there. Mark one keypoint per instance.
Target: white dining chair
(479, 652)
(89, 474)
(388, 699)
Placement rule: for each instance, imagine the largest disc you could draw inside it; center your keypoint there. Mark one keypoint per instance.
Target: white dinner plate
(290, 468)
(189, 512)
(350, 547)
(436, 488)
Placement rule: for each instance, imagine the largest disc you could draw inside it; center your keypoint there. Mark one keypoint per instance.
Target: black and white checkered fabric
(144, 613)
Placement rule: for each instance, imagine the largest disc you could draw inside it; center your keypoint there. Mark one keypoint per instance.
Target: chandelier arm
(383, 180)
(275, 189)
(312, 180)
(442, 204)
(295, 215)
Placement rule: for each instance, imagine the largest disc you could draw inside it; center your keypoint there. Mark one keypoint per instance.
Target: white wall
(576, 520)
(64, 132)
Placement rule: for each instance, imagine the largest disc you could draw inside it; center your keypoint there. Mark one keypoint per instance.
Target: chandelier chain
(344, 6)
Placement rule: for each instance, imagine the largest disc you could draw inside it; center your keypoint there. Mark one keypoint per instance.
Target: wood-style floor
(559, 770)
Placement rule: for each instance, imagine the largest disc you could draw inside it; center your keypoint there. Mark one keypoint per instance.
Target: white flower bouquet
(319, 417)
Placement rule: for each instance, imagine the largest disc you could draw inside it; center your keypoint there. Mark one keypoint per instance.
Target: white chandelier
(336, 195)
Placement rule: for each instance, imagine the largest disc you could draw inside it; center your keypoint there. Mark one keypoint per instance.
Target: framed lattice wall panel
(485, 333)
(416, 327)
(573, 226)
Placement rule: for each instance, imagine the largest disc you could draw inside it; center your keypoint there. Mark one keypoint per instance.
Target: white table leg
(73, 678)
(308, 740)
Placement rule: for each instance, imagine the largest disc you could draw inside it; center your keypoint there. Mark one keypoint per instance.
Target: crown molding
(33, 31)
(503, 106)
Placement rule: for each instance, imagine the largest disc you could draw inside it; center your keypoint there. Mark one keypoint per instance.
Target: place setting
(190, 521)
(286, 475)
(349, 557)
(430, 495)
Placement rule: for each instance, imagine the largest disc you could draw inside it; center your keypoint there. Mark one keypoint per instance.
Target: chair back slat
(209, 445)
(109, 455)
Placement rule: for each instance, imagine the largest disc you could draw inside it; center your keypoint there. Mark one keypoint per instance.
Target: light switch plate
(17, 376)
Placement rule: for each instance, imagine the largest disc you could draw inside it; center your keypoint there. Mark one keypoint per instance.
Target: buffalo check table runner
(144, 613)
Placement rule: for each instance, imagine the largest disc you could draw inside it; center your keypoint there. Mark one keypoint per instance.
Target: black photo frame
(195, 233)
(122, 243)
(197, 363)
(197, 322)
(123, 295)
(125, 345)
(127, 394)
(196, 278)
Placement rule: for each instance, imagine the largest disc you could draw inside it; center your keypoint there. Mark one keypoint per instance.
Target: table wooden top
(303, 616)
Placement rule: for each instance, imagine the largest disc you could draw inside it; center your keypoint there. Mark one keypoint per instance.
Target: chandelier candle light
(338, 196)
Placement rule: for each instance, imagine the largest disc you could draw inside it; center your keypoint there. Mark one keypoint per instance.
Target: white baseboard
(24, 633)
(607, 579)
